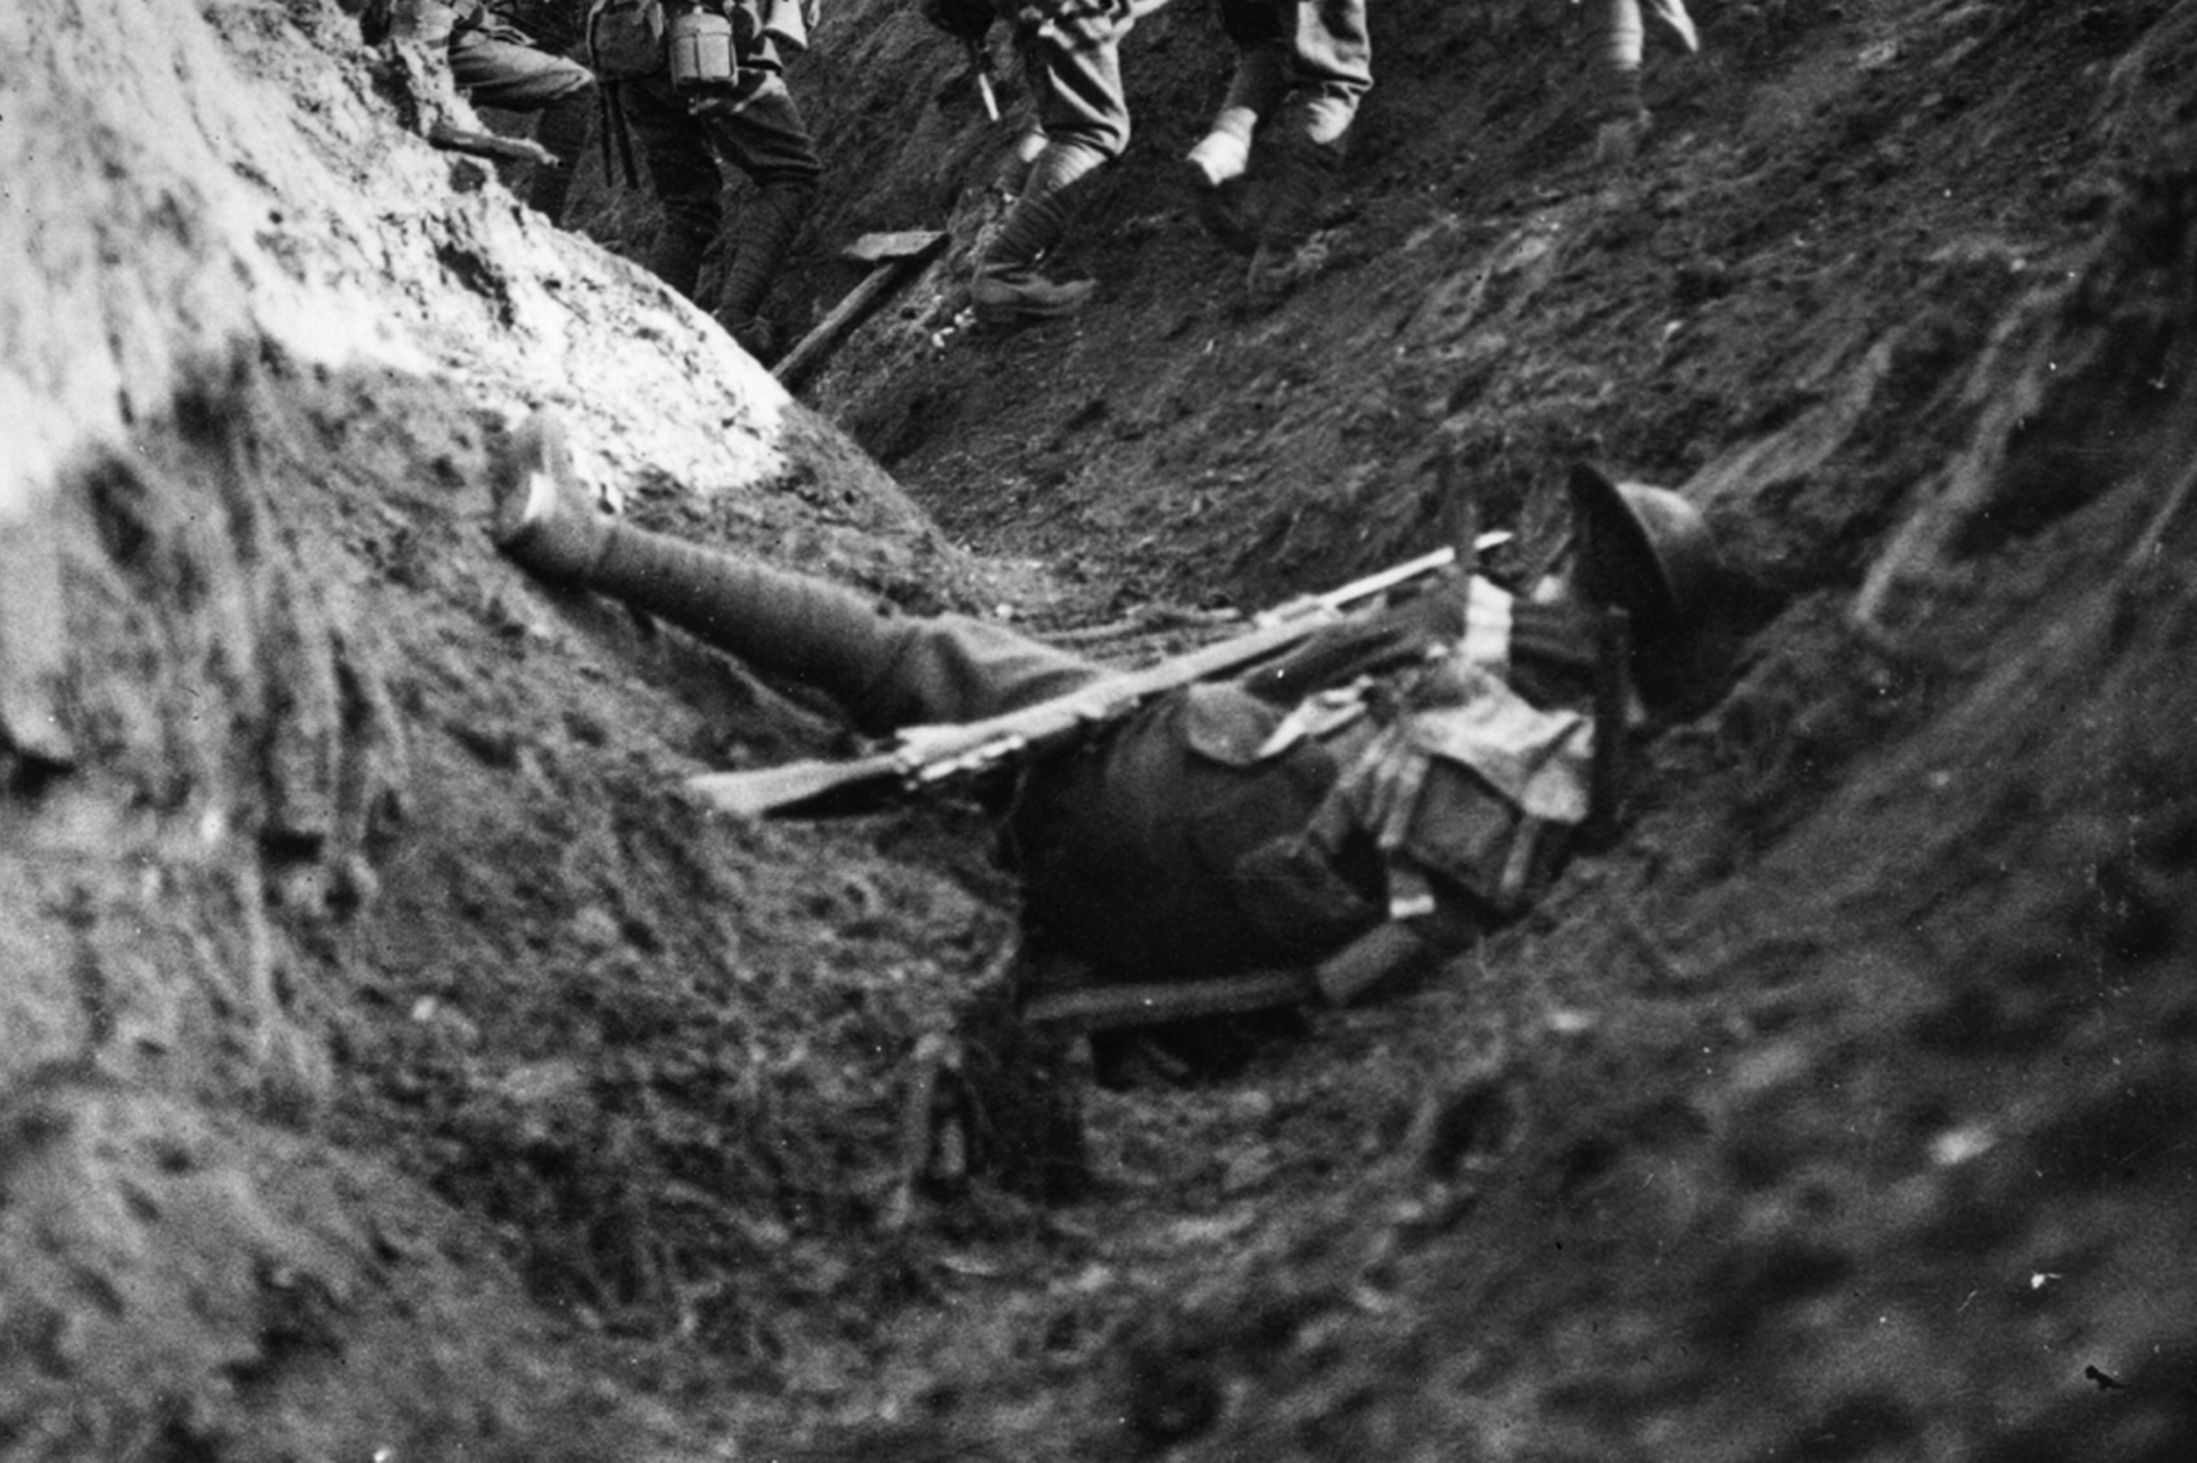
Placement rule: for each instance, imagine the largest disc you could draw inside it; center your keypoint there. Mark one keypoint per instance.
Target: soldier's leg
(1620, 111)
(1075, 66)
(683, 174)
(563, 129)
(1330, 66)
(497, 66)
(1216, 169)
(1330, 71)
(767, 140)
(887, 669)
(1260, 32)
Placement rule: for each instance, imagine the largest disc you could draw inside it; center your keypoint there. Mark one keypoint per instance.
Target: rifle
(980, 69)
(925, 758)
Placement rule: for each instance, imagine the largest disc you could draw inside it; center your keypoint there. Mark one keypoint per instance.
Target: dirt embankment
(398, 1066)
(311, 804)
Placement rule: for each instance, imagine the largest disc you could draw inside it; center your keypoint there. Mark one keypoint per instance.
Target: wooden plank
(900, 257)
(906, 244)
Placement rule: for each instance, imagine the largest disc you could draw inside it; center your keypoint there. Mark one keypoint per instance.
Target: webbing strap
(618, 161)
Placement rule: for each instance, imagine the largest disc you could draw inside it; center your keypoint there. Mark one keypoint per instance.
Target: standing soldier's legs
(1260, 32)
(889, 670)
(1330, 69)
(497, 66)
(767, 140)
(1074, 64)
(563, 129)
(1620, 110)
(1331, 60)
(683, 174)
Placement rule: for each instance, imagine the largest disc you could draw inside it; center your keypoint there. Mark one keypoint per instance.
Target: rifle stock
(928, 757)
(809, 788)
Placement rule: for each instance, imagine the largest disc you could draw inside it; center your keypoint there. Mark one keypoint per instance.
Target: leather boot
(1214, 169)
(1224, 209)
(1011, 294)
(1288, 253)
(762, 238)
(542, 518)
(787, 625)
(1621, 117)
(1214, 173)
(1008, 287)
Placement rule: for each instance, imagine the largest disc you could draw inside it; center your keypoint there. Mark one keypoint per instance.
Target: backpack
(627, 38)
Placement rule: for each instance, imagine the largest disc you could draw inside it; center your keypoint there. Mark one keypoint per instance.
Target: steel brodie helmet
(1642, 549)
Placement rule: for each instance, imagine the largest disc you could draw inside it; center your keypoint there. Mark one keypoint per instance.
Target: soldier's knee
(1108, 138)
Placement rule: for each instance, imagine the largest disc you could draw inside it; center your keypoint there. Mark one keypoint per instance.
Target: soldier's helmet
(1643, 549)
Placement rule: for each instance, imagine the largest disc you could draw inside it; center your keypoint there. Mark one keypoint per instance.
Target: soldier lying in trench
(1388, 788)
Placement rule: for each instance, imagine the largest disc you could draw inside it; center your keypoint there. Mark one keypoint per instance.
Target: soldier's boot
(788, 625)
(544, 519)
(676, 256)
(1215, 169)
(563, 130)
(765, 235)
(1288, 252)
(1008, 288)
(1214, 172)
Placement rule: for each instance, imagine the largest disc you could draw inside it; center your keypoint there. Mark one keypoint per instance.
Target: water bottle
(701, 50)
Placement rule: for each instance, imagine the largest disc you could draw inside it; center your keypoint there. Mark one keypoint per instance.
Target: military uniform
(1417, 771)
(496, 64)
(1302, 67)
(1620, 112)
(1071, 54)
(1310, 59)
(759, 129)
(1395, 767)
(1431, 759)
